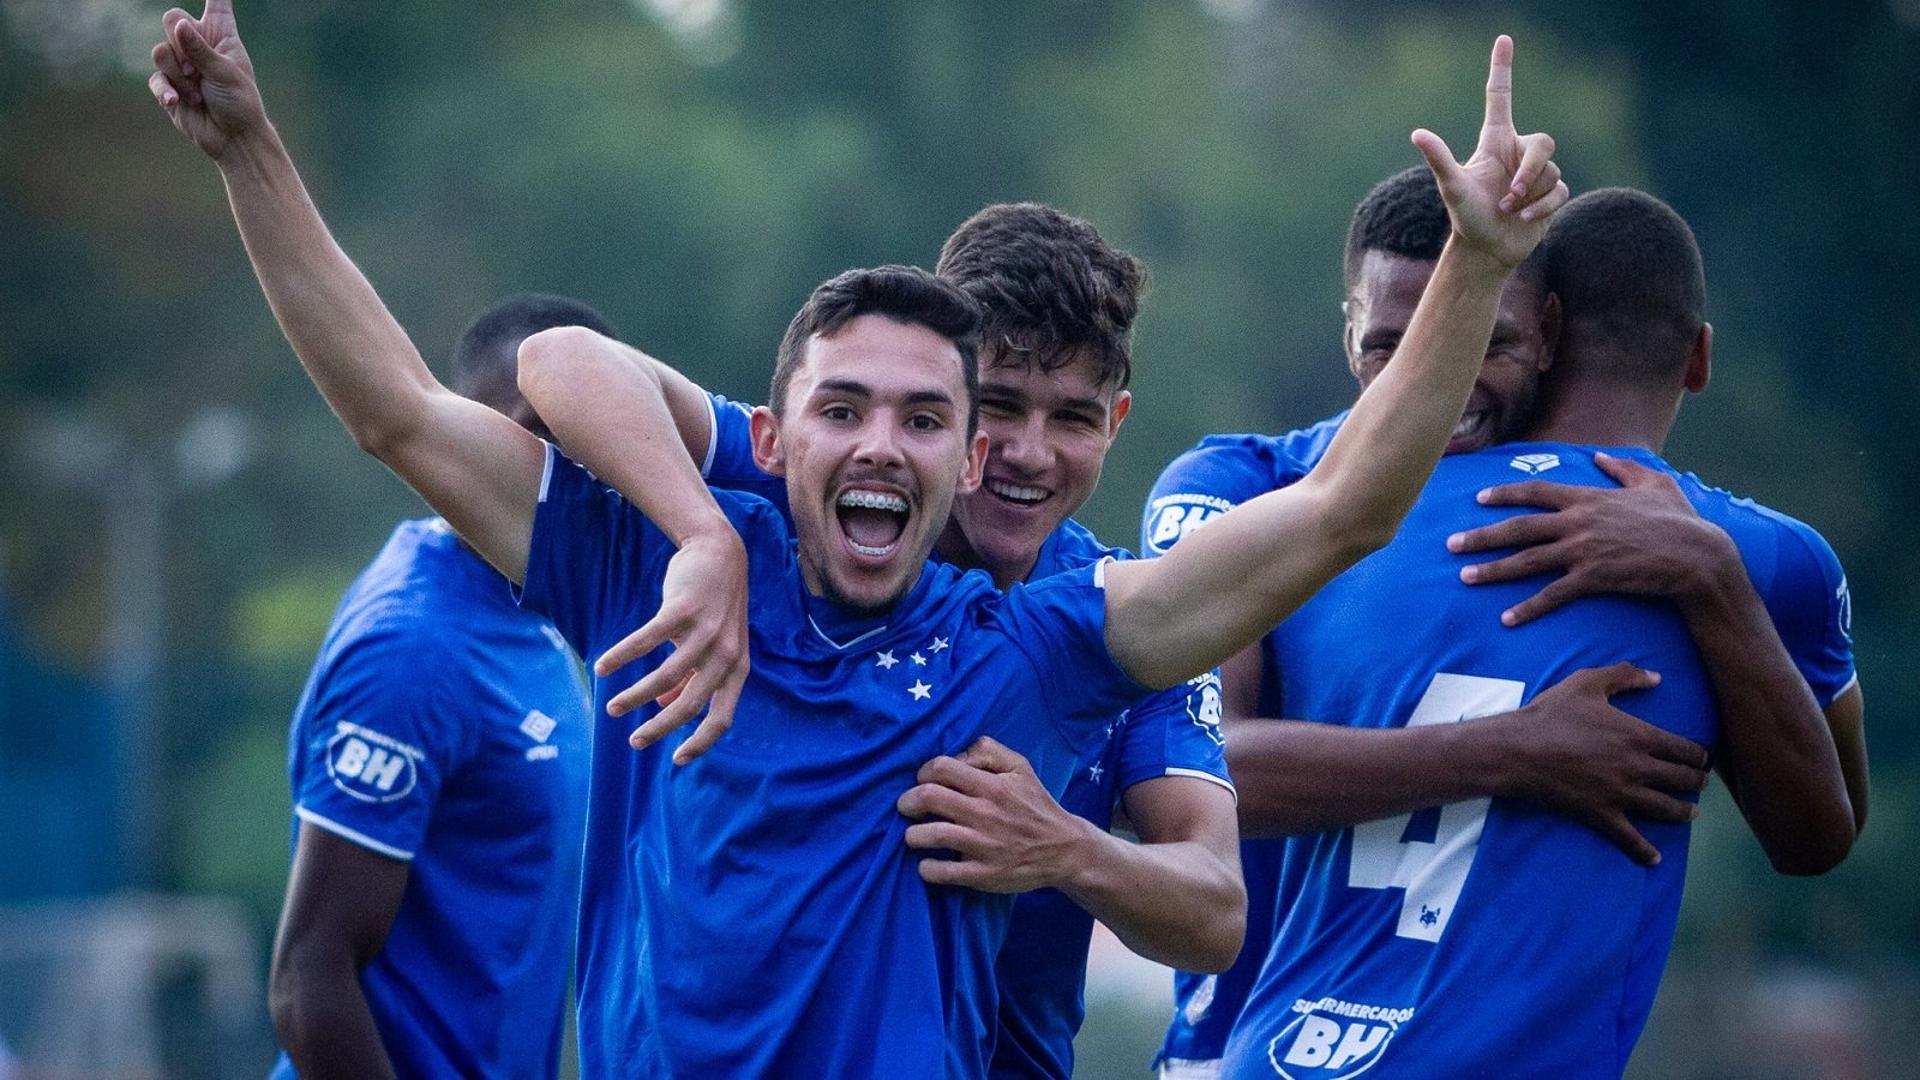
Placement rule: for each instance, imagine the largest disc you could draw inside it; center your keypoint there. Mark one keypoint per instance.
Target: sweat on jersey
(777, 920)
(1491, 937)
(445, 727)
(1042, 968)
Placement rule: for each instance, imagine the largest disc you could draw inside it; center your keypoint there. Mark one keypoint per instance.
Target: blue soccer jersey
(1041, 973)
(1489, 937)
(1218, 474)
(779, 921)
(444, 726)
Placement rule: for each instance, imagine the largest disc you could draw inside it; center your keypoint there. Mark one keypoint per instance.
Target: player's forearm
(610, 411)
(1297, 777)
(1227, 584)
(1176, 903)
(321, 1018)
(1779, 756)
(350, 345)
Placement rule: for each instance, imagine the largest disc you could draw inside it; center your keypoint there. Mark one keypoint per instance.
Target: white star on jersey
(938, 644)
(1093, 773)
(918, 660)
(920, 691)
(886, 660)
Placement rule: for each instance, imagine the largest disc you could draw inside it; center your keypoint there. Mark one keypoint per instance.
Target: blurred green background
(181, 511)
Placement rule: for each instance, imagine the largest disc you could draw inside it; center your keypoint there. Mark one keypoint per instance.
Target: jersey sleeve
(595, 563)
(1060, 624)
(1176, 732)
(1197, 487)
(1812, 607)
(729, 463)
(378, 736)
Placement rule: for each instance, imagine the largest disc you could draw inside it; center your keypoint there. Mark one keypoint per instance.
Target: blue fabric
(445, 726)
(757, 912)
(1041, 972)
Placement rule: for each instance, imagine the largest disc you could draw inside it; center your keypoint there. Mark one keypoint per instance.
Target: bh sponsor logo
(1330, 1039)
(1174, 516)
(370, 766)
(1203, 705)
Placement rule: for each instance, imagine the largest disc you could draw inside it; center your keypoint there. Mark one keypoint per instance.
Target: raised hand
(204, 80)
(1642, 538)
(703, 612)
(1501, 198)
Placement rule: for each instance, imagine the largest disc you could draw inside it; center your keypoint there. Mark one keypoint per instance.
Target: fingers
(942, 836)
(1657, 806)
(1620, 832)
(1531, 562)
(1519, 531)
(657, 683)
(685, 707)
(1543, 494)
(1439, 157)
(1548, 204)
(1673, 776)
(633, 647)
(163, 91)
(953, 773)
(1535, 175)
(1628, 473)
(1500, 86)
(1552, 596)
(718, 722)
(1667, 746)
(985, 753)
(1624, 677)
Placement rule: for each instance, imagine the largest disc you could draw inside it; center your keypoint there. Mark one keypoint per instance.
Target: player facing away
(1491, 935)
(785, 924)
(1058, 305)
(438, 761)
(1568, 749)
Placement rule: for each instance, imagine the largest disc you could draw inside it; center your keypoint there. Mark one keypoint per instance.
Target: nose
(1023, 447)
(879, 442)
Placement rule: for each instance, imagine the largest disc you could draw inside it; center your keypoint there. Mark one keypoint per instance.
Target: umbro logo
(1535, 464)
(538, 726)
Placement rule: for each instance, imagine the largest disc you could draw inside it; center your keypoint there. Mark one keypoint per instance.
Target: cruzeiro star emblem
(886, 660)
(920, 690)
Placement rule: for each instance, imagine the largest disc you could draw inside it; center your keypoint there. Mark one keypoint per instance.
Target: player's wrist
(1483, 262)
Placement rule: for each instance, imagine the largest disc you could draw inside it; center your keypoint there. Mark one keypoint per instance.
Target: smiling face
(873, 443)
(1047, 438)
(1380, 306)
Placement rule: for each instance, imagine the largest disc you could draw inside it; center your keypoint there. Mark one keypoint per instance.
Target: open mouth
(1017, 494)
(1472, 425)
(872, 521)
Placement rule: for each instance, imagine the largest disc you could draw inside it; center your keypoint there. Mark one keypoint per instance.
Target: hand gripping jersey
(779, 923)
(1218, 474)
(1492, 937)
(1042, 968)
(444, 726)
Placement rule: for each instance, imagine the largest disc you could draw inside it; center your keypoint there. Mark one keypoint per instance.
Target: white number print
(1432, 872)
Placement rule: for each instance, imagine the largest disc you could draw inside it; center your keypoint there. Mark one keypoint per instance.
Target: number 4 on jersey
(1432, 872)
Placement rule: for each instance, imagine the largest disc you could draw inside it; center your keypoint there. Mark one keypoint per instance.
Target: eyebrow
(855, 388)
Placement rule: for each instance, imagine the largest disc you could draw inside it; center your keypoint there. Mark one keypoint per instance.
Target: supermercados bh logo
(1203, 705)
(1174, 516)
(1330, 1039)
(370, 766)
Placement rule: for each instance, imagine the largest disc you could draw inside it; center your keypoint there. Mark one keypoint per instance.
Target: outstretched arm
(1174, 617)
(1798, 774)
(476, 467)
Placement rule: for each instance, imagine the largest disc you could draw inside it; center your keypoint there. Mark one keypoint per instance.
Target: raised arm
(1174, 617)
(473, 465)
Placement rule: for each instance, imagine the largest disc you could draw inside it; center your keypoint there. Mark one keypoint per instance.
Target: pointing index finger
(1500, 85)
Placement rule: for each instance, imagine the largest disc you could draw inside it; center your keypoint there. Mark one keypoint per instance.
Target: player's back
(1485, 938)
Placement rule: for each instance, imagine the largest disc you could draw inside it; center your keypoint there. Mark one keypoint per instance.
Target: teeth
(1468, 423)
(1016, 492)
(865, 550)
(874, 500)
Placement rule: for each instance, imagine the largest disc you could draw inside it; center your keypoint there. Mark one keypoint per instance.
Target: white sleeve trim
(354, 835)
(713, 438)
(1842, 692)
(1100, 571)
(1202, 774)
(546, 472)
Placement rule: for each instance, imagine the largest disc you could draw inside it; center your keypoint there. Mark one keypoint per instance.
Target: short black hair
(1404, 215)
(1050, 289)
(1631, 285)
(486, 362)
(905, 294)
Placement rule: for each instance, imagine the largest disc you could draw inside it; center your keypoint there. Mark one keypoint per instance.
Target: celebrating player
(1625, 359)
(781, 921)
(439, 764)
(1059, 305)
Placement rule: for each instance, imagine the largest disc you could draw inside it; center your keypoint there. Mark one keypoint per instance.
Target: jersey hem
(713, 437)
(1197, 774)
(353, 835)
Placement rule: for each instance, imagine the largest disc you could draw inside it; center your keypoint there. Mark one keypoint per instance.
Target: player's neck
(955, 548)
(1597, 413)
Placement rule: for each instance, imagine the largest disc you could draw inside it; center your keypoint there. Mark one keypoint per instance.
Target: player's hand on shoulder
(1502, 196)
(1574, 752)
(204, 80)
(703, 613)
(988, 807)
(1643, 538)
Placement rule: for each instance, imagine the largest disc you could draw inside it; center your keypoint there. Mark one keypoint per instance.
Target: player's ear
(975, 466)
(1550, 321)
(768, 453)
(1700, 359)
(1351, 312)
(1122, 404)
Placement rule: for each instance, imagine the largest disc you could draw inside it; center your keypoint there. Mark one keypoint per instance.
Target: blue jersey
(444, 726)
(1219, 473)
(1488, 937)
(1041, 973)
(779, 922)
